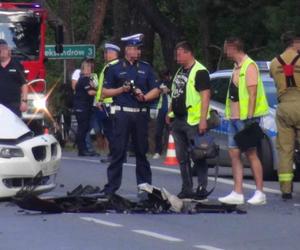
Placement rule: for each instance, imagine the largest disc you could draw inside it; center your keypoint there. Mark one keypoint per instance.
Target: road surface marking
(204, 247)
(297, 205)
(157, 235)
(177, 171)
(102, 222)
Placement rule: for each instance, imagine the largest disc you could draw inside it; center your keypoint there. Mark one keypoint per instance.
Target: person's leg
(140, 145)
(237, 169)
(160, 124)
(181, 145)
(256, 168)
(114, 170)
(83, 127)
(286, 145)
(108, 132)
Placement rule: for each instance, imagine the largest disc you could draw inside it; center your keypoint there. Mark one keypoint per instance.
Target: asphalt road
(273, 226)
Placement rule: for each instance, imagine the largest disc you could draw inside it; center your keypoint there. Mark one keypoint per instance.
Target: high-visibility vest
(101, 80)
(261, 105)
(193, 97)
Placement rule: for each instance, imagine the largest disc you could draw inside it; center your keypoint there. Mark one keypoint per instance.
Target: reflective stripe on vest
(101, 80)
(261, 105)
(288, 177)
(193, 97)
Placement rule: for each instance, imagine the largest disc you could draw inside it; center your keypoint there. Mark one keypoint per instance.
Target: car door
(219, 86)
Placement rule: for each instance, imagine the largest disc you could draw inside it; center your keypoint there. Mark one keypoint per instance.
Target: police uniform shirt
(276, 70)
(11, 80)
(202, 82)
(140, 72)
(82, 100)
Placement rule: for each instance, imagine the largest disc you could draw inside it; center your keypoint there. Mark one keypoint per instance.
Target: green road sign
(71, 51)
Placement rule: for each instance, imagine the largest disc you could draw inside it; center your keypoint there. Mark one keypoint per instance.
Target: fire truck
(23, 27)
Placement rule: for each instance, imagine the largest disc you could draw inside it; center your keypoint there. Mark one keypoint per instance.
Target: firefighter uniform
(285, 71)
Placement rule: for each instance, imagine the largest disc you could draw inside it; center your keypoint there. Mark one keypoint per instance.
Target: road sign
(71, 51)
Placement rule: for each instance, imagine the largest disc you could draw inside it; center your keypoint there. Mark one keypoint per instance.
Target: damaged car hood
(12, 127)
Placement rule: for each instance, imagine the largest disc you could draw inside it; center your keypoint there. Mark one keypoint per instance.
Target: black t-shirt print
(202, 82)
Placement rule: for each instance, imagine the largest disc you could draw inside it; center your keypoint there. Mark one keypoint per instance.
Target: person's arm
(75, 77)
(24, 94)
(202, 84)
(252, 81)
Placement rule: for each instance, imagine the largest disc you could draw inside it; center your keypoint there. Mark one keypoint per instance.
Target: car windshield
(21, 30)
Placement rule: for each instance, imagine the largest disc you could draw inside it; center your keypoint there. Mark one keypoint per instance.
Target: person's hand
(249, 121)
(99, 105)
(23, 106)
(202, 127)
(139, 95)
(167, 120)
(125, 88)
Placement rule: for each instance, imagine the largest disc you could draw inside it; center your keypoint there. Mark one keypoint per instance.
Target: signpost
(71, 51)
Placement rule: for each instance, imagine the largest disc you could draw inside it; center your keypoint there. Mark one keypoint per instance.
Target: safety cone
(171, 159)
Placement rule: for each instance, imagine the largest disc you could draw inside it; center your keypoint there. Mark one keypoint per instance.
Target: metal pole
(65, 71)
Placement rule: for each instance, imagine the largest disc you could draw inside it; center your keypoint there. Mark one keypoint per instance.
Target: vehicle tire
(266, 157)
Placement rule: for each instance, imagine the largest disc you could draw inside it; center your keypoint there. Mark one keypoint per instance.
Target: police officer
(132, 85)
(285, 70)
(13, 87)
(189, 108)
(82, 104)
(246, 102)
(111, 54)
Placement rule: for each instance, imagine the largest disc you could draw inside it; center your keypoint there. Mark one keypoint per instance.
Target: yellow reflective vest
(261, 105)
(193, 97)
(101, 80)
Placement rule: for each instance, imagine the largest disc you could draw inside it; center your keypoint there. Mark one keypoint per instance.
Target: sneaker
(259, 198)
(201, 194)
(233, 198)
(185, 194)
(287, 196)
(156, 156)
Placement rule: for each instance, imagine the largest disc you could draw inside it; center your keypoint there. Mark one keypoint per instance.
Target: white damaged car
(23, 156)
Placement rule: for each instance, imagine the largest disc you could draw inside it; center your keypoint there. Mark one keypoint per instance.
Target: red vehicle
(23, 26)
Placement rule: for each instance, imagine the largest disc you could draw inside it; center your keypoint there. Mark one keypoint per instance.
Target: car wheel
(266, 157)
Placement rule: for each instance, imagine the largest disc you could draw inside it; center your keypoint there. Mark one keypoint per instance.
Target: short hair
(288, 38)
(186, 46)
(236, 42)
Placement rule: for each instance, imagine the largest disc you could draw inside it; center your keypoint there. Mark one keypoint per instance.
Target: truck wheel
(266, 157)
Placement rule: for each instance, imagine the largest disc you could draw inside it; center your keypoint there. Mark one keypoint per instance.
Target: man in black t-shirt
(189, 108)
(13, 87)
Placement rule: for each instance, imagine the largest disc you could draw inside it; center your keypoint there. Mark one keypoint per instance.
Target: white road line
(157, 235)
(177, 171)
(102, 222)
(204, 247)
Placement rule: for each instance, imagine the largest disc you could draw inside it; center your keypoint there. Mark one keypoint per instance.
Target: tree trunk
(96, 22)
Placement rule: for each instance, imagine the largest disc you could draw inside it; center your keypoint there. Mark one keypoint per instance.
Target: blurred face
(132, 52)
(110, 55)
(230, 51)
(4, 52)
(296, 44)
(183, 57)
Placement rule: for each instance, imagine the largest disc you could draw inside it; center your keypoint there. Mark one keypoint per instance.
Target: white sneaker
(156, 156)
(233, 198)
(259, 198)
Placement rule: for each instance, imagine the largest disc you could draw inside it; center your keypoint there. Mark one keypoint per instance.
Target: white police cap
(134, 40)
(111, 46)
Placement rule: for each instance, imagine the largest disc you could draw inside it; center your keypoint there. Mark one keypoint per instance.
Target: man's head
(132, 46)
(5, 52)
(111, 52)
(184, 53)
(87, 67)
(291, 39)
(233, 47)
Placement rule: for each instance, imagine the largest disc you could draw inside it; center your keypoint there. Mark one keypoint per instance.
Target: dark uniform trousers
(108, 129)
(136, 125)
(183, 134)
(83, 120)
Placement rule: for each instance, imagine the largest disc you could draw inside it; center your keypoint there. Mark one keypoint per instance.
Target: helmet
(203, 147)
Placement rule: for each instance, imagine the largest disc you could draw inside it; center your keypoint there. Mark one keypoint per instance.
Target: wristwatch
(24, 100)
